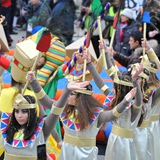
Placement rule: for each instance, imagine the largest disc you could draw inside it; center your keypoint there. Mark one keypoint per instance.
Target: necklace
(19, 135)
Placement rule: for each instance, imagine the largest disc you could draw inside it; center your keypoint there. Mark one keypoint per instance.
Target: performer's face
(79, 57)
(72, 98)
(41, 62)
(21, 116)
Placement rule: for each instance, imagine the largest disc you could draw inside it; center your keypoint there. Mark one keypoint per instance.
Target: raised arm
(98, 80)
(136, 108)
(111, 115)
(39, 92)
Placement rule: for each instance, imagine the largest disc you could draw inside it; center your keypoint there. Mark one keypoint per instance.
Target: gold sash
(9, 156)
(154, 118)
(122, 132)
(80, 141)
(145, 123)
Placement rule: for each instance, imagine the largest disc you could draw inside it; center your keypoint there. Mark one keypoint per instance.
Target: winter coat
(123, 46)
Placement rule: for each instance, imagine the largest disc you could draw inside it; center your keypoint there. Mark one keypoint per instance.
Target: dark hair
(120, 90)
(137, 36)
(84, 109)
(30, 126)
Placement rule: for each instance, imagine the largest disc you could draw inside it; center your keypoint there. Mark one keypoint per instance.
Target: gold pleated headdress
(21, 103)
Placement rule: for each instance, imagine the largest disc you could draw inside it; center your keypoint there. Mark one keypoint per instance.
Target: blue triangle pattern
(72, 127)
(3, 125)
(65, 121)
(91, 121)
(20, 144)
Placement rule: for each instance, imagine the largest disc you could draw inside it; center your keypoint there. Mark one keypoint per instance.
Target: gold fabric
(104, 88)
(137, 107)
(56, 110)
(21, 103)
(122, 82)
(84, 92)
(145, 123)
(18, 157)
(147, 65)
(142, 74)
(24, 57)
(115, 112)
(80, 141)
(111, 71)
(154, 118)
(122, 132)
(40, 94)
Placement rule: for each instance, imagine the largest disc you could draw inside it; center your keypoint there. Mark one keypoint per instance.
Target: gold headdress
(84, 92)
(21, 103)
(142, 74)
(146, 64)
(113, 72)
(23, 59)
(122, 82)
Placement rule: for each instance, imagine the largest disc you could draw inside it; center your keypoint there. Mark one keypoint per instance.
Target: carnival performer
(150, 97)
(149, 130)
(123, 127)
(23, 130)
(82, 119)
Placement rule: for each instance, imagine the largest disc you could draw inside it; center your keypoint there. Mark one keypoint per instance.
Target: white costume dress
(155, 128)
(143, 137)
(80, 145)
(120, 144)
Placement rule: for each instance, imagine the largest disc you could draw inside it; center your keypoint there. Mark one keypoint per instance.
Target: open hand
(129, 96)
(76, 85)
(137, 69)
(152, 33)
(30, 76)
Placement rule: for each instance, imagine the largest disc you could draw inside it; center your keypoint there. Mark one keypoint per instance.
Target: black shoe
(12, 32)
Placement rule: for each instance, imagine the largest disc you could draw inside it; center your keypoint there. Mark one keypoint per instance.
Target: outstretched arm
(98, 80)
(136, 108)
(111, 115)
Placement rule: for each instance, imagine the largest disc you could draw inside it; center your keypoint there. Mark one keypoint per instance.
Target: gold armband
(104, 88)
(111, 71)
(115, 112)
(40, 94)
(137, 107)
(56, 110)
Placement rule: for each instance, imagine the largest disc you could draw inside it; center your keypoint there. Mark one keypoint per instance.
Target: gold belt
(9, 156)
(122, 132)
(80, 141)
(145, 123)
(154, 118)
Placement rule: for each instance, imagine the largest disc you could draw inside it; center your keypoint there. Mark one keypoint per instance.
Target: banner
(135, 5)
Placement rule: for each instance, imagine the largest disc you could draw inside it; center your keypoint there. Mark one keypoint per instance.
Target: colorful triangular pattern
(76, 126)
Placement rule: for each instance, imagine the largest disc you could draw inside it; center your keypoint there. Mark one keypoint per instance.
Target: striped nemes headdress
(55, 56)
